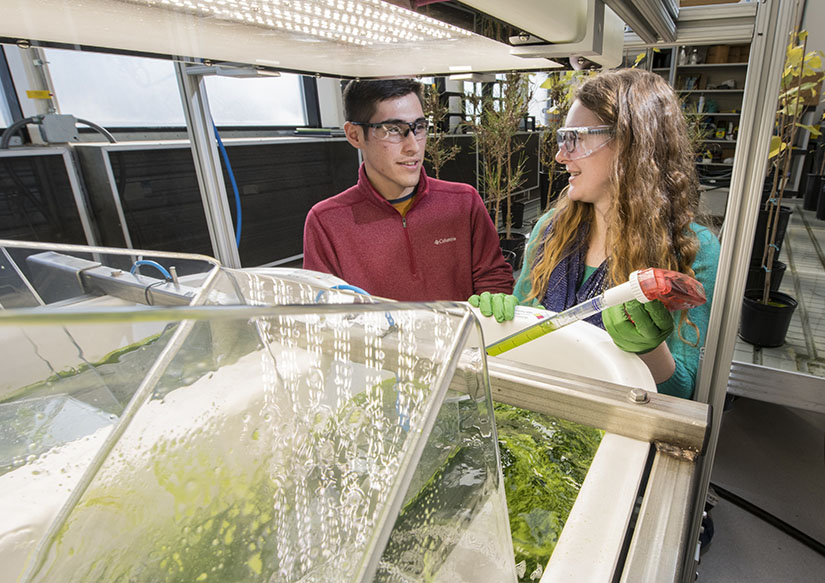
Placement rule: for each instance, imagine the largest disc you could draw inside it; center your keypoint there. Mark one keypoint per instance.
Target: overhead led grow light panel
(350, 38)
(364, 23)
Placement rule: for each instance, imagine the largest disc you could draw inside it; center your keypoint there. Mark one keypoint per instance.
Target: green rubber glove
(501, 306)
(636, 327)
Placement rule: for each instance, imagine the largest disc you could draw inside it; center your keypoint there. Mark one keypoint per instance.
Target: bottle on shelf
(682, 56)
(694, 56)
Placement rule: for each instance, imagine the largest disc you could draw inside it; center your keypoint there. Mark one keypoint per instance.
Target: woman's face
(587, 157)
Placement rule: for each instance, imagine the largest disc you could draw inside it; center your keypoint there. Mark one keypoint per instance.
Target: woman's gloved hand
(501, 306)
(637, 327)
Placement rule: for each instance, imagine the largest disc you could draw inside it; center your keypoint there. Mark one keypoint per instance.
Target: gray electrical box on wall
(59, 129)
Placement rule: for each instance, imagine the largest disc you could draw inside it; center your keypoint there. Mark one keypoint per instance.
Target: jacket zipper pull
(404, 222)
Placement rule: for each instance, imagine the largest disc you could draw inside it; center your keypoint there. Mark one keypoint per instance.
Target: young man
(398, 233)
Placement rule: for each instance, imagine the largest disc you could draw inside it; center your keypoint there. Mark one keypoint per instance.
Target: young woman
(629, 204)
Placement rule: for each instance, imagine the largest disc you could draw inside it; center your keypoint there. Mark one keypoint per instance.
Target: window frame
(8, 90)
(308, 86)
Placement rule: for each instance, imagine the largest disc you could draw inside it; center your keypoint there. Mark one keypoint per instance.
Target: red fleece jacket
(445, 248)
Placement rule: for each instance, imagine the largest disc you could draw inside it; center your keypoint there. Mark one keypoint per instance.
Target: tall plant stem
(508, 223)
(773, 215)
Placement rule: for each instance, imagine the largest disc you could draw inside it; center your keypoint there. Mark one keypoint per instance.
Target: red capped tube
(675, 290)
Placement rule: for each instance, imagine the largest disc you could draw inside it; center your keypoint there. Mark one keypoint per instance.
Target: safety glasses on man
(576, 143)
(396, 130)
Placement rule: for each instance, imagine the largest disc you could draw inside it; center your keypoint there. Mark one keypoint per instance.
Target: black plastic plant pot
(756, 276)
(820, 203)
(766, 324)
(762, 225)
(812, 187)
(517, 213)
(559, 181)
(513, 248)
(544, 189)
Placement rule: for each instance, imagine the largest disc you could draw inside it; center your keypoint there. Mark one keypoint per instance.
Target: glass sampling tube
(676, 290)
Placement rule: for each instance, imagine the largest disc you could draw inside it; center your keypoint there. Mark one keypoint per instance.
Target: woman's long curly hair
(653, 176)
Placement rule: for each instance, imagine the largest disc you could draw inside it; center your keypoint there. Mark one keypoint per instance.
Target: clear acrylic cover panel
(331, 442)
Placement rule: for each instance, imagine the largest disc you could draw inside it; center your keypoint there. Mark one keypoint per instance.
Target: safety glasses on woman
(581, 142)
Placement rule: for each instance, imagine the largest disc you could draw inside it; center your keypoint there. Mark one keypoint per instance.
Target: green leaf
(794, 57)
(777, 146)
(789, 93)
(813, 129)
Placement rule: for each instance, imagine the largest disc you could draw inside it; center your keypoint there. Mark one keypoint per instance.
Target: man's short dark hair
(361, 98)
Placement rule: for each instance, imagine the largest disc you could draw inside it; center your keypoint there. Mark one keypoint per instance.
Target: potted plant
(437, 153)
(813, 182)
(766, 312)
(502, 161)
(560, 86)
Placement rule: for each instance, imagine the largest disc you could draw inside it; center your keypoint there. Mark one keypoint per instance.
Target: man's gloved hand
(636, 327)
(501, 306)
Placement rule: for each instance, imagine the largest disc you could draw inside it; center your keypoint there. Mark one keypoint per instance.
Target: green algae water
(545, 461)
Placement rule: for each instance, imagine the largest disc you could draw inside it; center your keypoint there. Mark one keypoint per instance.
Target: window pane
(123, 91)
(115, 90)
(37, 201)
(5, 114)
(538, 102)
(257, 101)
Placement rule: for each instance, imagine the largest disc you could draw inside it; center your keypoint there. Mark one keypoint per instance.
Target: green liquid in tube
(521, 338)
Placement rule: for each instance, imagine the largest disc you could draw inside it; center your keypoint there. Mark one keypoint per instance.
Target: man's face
(392, 167)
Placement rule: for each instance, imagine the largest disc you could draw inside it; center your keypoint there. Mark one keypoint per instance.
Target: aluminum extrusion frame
(200, 128)
(661, 539)
(608, 406)
(774, 21)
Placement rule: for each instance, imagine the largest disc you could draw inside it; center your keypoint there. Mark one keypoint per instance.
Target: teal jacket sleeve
(522, 287)
(685, 354)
